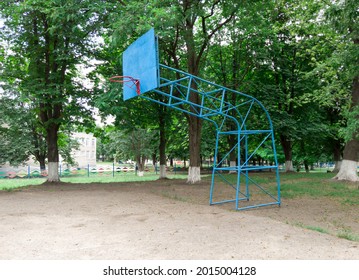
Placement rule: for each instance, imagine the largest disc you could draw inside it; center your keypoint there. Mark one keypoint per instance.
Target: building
(86, 154)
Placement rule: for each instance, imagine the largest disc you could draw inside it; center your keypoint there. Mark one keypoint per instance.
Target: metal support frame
(176, 88)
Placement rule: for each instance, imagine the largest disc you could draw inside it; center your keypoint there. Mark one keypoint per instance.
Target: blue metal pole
(277, 169)
(214, 169)
(246, 158)
(238, 169)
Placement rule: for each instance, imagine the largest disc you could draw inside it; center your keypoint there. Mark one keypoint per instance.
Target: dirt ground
(167, 219)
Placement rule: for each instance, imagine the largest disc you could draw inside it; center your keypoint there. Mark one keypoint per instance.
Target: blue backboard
(140, 61)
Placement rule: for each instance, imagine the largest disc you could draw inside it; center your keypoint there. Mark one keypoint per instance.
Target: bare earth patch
(167, 219)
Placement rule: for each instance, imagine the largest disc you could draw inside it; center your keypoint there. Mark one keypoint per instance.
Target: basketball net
(128, 81)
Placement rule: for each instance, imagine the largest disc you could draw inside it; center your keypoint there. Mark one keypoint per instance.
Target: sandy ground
(166, 219)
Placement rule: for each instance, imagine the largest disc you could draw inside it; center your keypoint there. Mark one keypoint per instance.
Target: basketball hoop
(128, 81)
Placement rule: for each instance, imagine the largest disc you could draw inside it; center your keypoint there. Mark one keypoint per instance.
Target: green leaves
(298, 58)
(19, 136)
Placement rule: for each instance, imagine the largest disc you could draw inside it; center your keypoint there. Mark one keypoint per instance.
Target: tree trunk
(195, 124)
(42, 164)
(348, 169)
(337, 155)
(195, 128)
(41, 158)
(154, 159)
(337, 165)
(195, 132)
(232, 163)
(192, 10)
(39, 142)
(219, 159)
(232, 141)
(52, 153)
(287, 149)
(162, 146)
(141, 165)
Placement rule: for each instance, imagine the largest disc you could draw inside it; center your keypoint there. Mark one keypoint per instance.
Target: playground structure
(234, 114)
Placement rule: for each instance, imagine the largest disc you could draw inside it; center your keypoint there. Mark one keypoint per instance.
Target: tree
(110, 100)
(232, 57)
(344, 18)
(199, 22)
(284, 45)
(20, 133)
(23, 137)
(131, 114)
(137, 144)
(186, 29)
(103, 152)
(348, 168)
(177, 139)
(48, 39)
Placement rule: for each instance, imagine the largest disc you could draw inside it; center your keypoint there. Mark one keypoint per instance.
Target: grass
(314, 185)
(318, 185)
(314, 228)
(174, 196)
(349, 235)
(345, 233)
(10, 184)
(293, 185)
(318, 229)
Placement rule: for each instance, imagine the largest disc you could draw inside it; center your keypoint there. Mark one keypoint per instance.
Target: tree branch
(209, 36)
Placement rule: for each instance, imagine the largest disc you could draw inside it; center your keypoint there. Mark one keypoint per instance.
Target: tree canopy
(298, 57)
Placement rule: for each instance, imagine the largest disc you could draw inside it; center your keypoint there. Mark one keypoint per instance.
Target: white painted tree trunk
(348, 171)
(140, 173)
(232, 163)
(337, 166)
(163, 173)
(289, 166)
(53, 172)
(194, 174)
